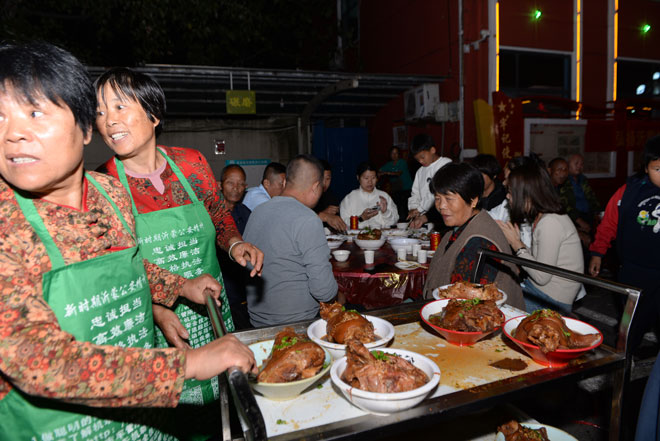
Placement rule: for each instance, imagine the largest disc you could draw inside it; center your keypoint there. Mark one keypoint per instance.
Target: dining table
(380, 284)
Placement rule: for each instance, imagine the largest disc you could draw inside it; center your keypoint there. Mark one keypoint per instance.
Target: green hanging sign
(241, 102)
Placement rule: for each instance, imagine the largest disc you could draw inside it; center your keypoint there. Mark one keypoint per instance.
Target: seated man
(579, 199)
(272, 184)
(297, 272)
(328, 206)
(558, 171)
(232, 186)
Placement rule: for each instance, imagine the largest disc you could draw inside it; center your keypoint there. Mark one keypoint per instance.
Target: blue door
(344, 149)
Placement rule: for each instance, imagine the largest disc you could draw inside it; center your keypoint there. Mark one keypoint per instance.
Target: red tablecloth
(380, 284)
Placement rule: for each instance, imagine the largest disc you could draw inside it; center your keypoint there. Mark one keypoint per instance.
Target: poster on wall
(552, 138)
(400, 137)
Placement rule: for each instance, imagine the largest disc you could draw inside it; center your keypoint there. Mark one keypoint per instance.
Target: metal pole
(461, 91)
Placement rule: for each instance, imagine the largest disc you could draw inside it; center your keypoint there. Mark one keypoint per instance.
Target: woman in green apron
(76, 326)
(180, 216)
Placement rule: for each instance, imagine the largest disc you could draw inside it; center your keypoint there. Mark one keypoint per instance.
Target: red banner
(509, 127)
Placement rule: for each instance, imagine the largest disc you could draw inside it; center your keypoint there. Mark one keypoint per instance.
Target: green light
(646, 28)
(536, 15)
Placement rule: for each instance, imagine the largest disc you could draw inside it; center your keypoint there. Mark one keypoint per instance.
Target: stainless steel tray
(466, 397)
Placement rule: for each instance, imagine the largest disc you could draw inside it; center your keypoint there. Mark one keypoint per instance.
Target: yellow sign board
(241, 102)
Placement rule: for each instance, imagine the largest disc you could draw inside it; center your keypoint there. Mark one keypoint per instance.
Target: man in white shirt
(421, 198)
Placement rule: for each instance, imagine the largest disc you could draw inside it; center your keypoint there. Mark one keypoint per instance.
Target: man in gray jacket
(297, 273)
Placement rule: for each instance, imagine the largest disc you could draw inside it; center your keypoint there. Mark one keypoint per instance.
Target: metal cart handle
(249, 414)
(632, 293)
(621, 378)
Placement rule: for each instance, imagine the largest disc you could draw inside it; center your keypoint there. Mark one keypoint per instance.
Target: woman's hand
(172, 328)
(198, 288)
(245, 252)
(368, 213)
(219, 355)
(594, 265)
(382, 203)
(512, 234)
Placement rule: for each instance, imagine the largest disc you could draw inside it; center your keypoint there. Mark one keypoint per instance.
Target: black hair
(651, 152)
(532, 193)
(35, 70)
(229, 168)
(293, 168)
(326, 165)
(363, 167)
(556, 160)
(462, 179)
(488, 165)
(137, 86)
(519, 161)
(421, 142)
(273, 169)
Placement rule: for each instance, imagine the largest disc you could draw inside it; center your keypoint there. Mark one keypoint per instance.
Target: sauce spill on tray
(512, 364)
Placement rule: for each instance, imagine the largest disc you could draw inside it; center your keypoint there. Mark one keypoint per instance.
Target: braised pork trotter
(514, 431)
(384, 373)
(345, 325)
(468, 290)
(547, 329)
(469, 316)
(294, 357)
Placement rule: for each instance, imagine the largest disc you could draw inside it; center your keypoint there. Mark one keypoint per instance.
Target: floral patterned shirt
(36, 355)
(466, 259)
(194, 166)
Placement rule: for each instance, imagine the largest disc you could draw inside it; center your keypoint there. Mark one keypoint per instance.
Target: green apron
(182, 240)
(105, 300)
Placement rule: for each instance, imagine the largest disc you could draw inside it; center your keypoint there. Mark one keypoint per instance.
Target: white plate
(430, 253)
(284, 391)
(554, 434)
(436, 294)
(384, 403)
(406, 265)
(382, 328)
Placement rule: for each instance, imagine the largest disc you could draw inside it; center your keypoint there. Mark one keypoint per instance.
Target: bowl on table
(387, 403)
(335, 241)
(458, 338)
(436, 294)
(394, 234)
(283, 391)
(382, 328)
(341, 255)
(402, 225)
(403, 242)
(370, 244)
(559, 357)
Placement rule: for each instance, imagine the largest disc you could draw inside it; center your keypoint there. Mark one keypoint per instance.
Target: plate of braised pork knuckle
(338, 325)
(384, 380)
(288, 365)
(550, 339)
(463, 322)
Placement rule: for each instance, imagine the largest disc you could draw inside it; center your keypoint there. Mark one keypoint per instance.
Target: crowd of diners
(105, 274)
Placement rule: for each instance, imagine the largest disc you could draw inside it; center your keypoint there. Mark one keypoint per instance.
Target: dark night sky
(284, 34)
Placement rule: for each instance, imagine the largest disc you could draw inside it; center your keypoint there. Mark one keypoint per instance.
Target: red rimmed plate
(560, 357)
(458, 338)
